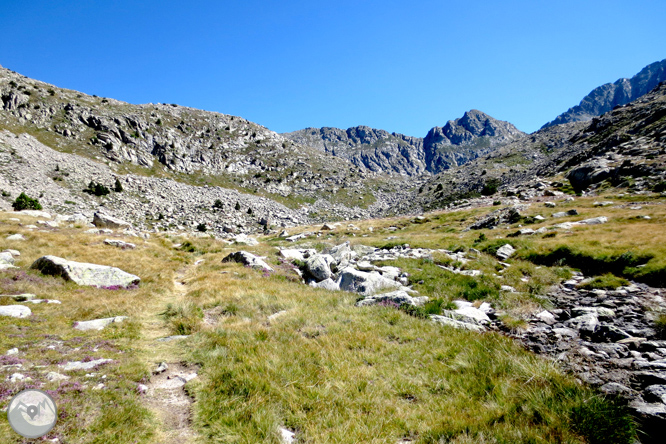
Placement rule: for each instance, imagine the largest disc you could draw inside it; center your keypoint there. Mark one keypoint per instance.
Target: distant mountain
(456, 143)
(606, 97)
(623, 148)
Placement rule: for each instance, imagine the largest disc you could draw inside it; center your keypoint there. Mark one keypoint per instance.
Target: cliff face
(456, 143)
(608, 96)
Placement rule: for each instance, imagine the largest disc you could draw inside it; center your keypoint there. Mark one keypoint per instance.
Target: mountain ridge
(605, 97)
(455, 143)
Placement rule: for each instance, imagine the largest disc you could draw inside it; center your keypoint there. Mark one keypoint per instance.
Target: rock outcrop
(102, 276)
(606, 97)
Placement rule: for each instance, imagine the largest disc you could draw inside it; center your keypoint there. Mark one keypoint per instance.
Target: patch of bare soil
(167, 398)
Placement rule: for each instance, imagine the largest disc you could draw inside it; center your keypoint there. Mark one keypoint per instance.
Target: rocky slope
(606, 97)
(191, 146)
(456, 143)
(625, 147)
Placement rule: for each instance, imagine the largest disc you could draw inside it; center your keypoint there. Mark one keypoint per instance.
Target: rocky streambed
(607, 338)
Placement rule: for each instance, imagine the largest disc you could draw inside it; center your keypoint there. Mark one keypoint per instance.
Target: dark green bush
(490, 187)
(118, 187)
(24, 202)
(97, 189)
(202, 227)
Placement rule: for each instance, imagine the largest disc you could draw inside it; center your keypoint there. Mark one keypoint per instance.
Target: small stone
(120, 244)
(505, 252)
(142, 389)
(98, 324)
(15, 311)
(161, 368)
(15, 237)
(546, 317)
(12, 351)
(613, 388)
(549, 204)
(55, 376)
(287, 436)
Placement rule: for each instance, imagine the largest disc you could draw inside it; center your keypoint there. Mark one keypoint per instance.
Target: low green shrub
(25, 202)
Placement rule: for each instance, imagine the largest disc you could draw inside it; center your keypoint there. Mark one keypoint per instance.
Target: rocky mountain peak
(606, 97)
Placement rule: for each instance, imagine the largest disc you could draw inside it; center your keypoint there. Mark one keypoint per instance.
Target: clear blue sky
(402, 66)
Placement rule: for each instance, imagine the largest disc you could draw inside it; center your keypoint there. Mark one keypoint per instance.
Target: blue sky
(399, 66)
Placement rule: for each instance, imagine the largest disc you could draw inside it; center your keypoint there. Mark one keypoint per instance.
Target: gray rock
(55, 376)
(161, 368)
(319, 266)
(98, 324)
(6, 258)
(614, 388)
(550, 204)
(120, 244)
(12, 351)
(365, 266)
(472, 313)
(15, 311)
(398, 297)
(505, 252)
(444, 320)
(245, 239)
(364, 283)
(249, 259)
(298, 254)
(84, 273)
(79, 365)
(546, 317)
(15, 237)
(102, 220)
(560, 214)
(594, 221)
(655, 393)
(341, 253)
(327, 284)
(286, 436)
(587, 323)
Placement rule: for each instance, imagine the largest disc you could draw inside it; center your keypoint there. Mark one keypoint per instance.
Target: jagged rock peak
(605, 97)
(472, 125)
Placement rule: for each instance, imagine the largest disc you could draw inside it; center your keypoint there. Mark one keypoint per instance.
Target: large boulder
(85, 274)
(589, 173)
(319, 266)
(364, 283)
(248, 259)
(101, 220)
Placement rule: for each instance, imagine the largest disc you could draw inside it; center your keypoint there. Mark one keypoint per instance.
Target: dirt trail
(166, 396)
